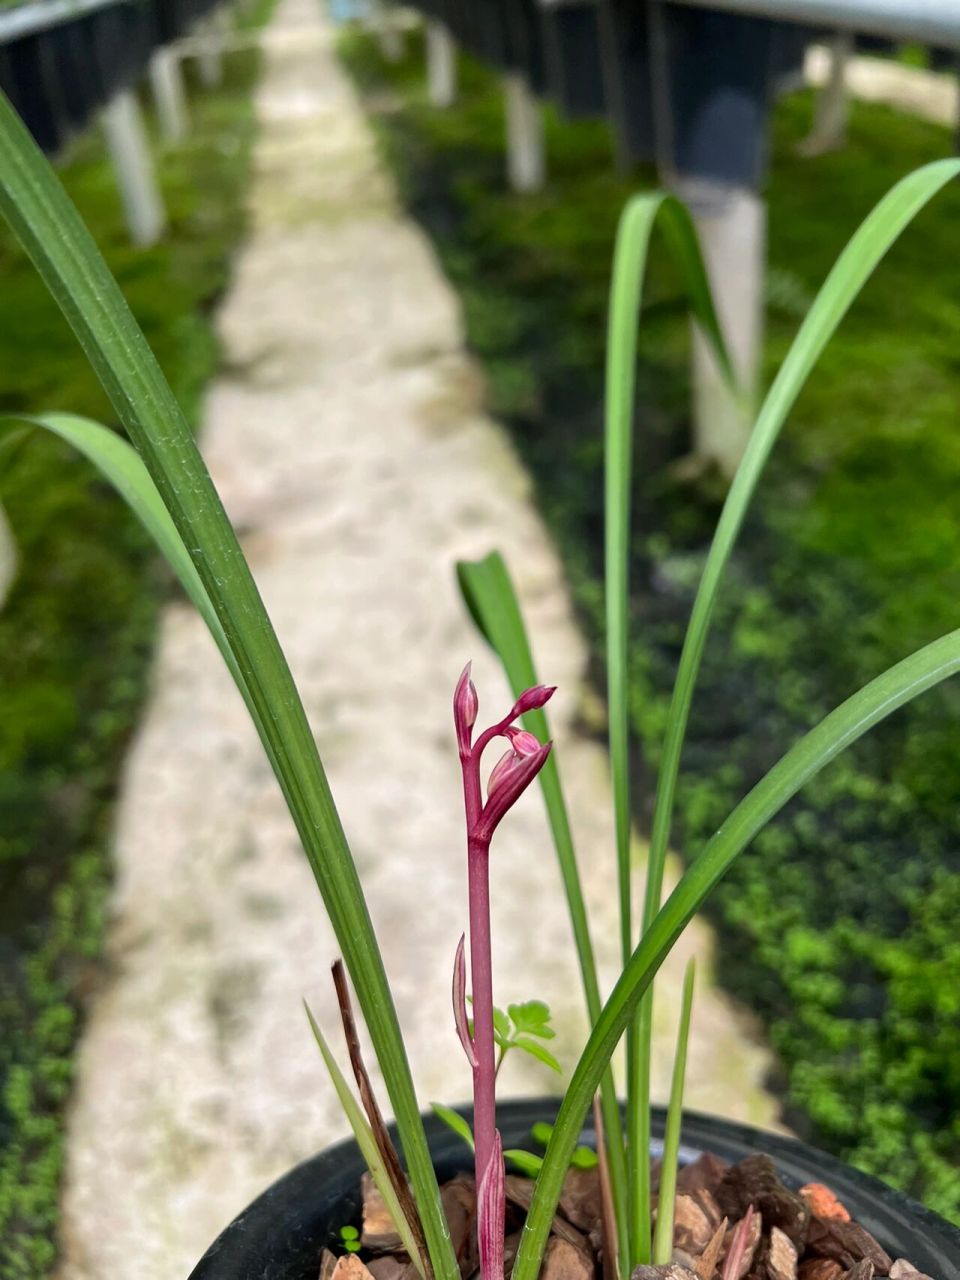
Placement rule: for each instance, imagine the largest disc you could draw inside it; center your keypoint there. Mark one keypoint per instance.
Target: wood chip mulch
(731, 1222)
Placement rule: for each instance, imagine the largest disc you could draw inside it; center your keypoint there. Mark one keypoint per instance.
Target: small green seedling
(527, 1162)
(350, 1239)
(582, 1158)
(524, 1026)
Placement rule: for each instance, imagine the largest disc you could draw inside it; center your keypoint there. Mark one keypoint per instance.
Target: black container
(280, 1235)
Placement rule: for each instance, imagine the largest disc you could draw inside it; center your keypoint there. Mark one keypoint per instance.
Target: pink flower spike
(460, 1003)
(465, 707)
(491, 1211)
(532, 700)
(515, 775)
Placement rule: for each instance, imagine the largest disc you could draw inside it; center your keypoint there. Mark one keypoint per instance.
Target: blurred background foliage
(77, 630)
(836, 928)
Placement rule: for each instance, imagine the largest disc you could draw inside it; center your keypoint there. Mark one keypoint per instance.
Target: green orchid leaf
(916, 674)
(61, 248)
(666, 1198)
(852, 269)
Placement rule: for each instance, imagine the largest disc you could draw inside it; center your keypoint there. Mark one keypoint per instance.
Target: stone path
(348, 436)
(932, 95)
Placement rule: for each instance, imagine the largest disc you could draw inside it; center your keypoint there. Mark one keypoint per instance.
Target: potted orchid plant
(772, 1209)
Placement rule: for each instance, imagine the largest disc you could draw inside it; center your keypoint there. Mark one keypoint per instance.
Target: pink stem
(481, 968)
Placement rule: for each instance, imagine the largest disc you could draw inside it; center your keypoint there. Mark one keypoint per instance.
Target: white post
(526, 164)
(133, 166)
(441, 64)
(166, 84)
(732, 226)
(388, 31)
(832, 106)
(210, 57)
(8, 557)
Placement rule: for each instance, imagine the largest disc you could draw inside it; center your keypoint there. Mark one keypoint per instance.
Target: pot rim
(304, 1207)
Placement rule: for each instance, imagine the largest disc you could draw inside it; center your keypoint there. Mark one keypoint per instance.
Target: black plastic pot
(279, 1237)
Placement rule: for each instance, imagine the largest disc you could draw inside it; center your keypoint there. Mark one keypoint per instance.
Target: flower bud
(532, 699)
(465, 707)
(511, 776)
(523, 743)
(502, 769)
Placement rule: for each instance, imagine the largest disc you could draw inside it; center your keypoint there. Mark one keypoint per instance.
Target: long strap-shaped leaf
(843, 726)
(853, 268)
(637, 223)
(120, 464)
(851, 271)
(636, 227)
(490, 596)
(51, 231)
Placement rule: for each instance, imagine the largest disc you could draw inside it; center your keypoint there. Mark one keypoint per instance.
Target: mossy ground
(76, 632)
(836, 924)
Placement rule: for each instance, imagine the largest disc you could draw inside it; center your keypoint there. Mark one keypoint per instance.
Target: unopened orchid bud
(465, 707)
(508, 781)
(522, 746)
(523, 743)
(532, 699)
(502, 769)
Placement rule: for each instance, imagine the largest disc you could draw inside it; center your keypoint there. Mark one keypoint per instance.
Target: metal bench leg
(166, 84)
(441, 64)
(732, 225)
(133, 166)
(526, 165)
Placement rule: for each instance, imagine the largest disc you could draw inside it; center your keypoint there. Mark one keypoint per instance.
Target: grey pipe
(25, 19)
(929, 22)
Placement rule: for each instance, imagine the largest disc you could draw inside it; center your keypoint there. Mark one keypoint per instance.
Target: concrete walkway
(931, 95)
(348, 437)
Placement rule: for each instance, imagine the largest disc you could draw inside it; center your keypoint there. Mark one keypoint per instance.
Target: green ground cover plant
(77, 630)
(836, 930)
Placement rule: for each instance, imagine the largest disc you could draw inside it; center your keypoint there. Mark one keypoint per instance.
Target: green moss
(835, 925)
(76, 632)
